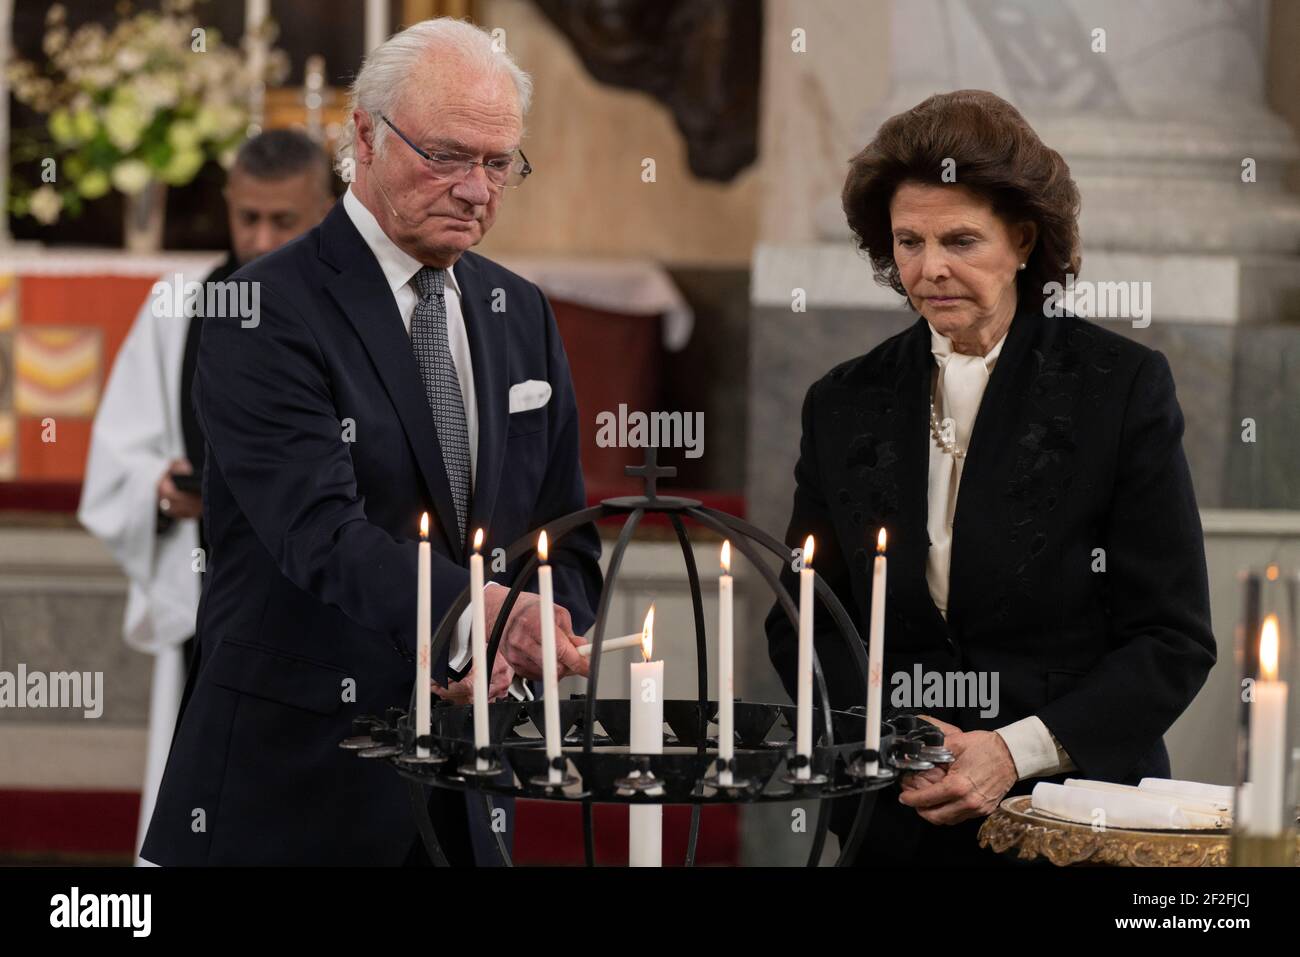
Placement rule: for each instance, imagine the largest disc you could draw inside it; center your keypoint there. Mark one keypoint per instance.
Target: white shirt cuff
(460, 646)
(519, 690)
(1033, 749)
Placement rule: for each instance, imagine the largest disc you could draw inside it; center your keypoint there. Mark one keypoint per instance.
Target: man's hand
(462, 691)
(172, 502)
(971, 786)
(521, 642)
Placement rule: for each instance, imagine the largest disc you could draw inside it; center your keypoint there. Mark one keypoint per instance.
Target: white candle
(376, 23)
(256, 13)
(423, 637)
(478, 646)
(876, 651)
(1267, 739)
(612, 644)
(645, 822)
(804, 715)
(550, 668)
(726, 670)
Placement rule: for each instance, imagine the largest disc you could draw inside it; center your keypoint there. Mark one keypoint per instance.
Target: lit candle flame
(542, 550)
(478, 539)
(726, 558)
(880, 542)
(424, 526)
(807, 552)
(1268, 642)
(648, 633)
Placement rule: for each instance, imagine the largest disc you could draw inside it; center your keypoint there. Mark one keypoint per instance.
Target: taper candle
(646, 701)
(550, 667)
(876, 651)
(478, 649)
(726, 670)
(423, 636)
(804, 716)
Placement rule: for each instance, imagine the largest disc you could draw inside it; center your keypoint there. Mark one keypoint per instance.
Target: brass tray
(1015, 825)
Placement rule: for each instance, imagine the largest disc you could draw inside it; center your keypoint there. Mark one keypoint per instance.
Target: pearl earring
(1022, 265)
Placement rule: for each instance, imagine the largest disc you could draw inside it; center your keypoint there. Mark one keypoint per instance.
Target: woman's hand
(971, 786)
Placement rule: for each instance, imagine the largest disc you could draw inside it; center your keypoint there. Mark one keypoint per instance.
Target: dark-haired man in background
(145, 431)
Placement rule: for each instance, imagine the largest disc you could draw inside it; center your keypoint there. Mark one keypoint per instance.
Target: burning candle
(645, 821)
(550, 667)
(423, 636)
(876, 651)
(1267, 762)
(804, 722)
(478, 649)
(726, 669)
(612, 644)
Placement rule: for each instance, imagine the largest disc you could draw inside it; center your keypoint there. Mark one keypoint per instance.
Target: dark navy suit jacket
(1077, 446)
(322, 454)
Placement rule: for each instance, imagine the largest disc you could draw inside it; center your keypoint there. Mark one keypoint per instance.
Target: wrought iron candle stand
(765, 767)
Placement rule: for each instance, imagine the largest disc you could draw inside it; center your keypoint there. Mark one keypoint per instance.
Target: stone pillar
(1155, 107)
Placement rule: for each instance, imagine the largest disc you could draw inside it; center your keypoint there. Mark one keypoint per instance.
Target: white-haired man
(390, 372)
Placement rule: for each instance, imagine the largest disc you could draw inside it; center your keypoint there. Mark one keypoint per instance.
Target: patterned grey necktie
(441, 386)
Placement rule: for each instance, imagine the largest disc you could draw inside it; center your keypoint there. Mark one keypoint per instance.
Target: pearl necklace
(948, 445)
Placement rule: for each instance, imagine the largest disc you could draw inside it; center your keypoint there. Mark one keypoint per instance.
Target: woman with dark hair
(1069, 578)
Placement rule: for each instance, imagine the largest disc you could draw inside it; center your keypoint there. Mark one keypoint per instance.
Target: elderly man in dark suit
(388, 372)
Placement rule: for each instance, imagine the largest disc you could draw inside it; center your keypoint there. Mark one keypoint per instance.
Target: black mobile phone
(191, 484)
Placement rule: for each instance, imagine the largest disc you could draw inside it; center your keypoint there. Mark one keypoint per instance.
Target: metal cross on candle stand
(598, 766)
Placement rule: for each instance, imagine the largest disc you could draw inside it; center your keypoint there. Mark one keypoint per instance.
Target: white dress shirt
(962, 380)
(399, 269)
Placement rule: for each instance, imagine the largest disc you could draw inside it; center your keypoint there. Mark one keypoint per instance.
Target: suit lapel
(362, 292)
(991, 453)
(912, 547)
(488, 348)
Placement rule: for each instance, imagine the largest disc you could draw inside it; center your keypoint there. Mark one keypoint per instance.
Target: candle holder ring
(639, 783)
(595, 731)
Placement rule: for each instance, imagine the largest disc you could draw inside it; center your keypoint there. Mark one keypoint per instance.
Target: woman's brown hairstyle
(984, 144)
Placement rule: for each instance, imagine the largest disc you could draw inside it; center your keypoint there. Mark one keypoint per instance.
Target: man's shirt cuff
(461, 652)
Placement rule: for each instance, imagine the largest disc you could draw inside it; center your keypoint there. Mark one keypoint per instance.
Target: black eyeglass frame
(523, 172)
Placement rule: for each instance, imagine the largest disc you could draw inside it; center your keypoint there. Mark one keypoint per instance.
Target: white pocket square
(532, 394)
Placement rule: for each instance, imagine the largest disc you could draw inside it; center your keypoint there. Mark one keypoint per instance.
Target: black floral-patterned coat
(1078, 564)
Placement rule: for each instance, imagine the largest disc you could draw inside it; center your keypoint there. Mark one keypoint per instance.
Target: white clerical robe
(1034, 750)
(137, 433)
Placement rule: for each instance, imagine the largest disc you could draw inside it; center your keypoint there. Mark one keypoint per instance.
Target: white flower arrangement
(152, 100)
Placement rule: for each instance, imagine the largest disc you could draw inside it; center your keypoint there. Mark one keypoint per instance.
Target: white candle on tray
(876, 651)
(423, 636)
(1267, 763)
(550, 667)
(804, 703)
(726, 670)
(478, 650)
(646, 701)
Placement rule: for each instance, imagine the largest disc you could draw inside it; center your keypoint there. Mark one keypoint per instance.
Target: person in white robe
(280, 185)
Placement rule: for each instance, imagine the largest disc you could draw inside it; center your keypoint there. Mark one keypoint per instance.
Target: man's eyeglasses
(501, 171)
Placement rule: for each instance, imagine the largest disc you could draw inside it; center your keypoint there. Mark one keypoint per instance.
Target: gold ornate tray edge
(1013, 826)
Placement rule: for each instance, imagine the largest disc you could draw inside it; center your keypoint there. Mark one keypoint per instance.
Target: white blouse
(962, 380)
